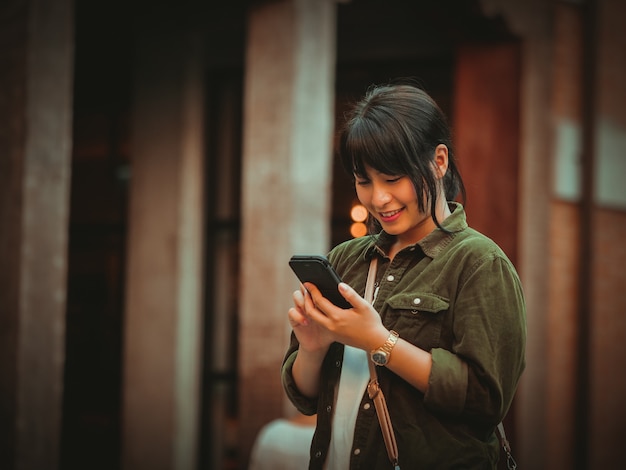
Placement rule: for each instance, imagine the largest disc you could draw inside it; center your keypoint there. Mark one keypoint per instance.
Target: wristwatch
(380, 356)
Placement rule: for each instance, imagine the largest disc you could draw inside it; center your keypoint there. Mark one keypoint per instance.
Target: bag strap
(373, 388)
(511, 464)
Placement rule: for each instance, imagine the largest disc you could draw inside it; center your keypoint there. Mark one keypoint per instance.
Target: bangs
(377, 146)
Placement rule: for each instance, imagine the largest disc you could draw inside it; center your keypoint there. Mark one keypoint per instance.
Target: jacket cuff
(305, 405)
(447, 385)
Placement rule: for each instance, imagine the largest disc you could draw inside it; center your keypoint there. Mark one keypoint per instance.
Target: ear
(440, 161)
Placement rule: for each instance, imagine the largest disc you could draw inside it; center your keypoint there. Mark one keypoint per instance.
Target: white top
(352, 385)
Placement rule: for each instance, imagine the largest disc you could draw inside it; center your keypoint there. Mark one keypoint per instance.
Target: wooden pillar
(36, 71)
(288, 131)
(164, 278)
(531, 20)
(487, 92)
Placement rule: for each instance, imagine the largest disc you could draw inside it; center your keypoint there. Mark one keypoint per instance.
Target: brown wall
(486, 129)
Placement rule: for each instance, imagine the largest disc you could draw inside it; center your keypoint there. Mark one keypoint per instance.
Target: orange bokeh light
(358, 229)
(358, 213)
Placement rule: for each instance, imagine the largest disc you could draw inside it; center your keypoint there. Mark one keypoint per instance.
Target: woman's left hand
(360, 326)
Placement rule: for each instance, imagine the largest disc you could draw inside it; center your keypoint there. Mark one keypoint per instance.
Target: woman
(448, 314)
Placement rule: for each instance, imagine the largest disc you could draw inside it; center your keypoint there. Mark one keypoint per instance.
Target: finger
(345, 290)
(309, 301)
(313, 294)
(297, 318)
(351, 295)
(309, 308)
(321, 306)
(298, 299)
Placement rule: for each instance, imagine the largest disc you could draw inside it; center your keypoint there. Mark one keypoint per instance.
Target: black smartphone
(317, 270)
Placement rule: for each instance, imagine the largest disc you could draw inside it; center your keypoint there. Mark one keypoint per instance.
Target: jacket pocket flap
(418, 301)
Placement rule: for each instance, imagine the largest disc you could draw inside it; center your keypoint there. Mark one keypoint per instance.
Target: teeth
(389, 214)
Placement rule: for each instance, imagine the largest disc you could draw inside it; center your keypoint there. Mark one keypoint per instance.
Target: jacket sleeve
(478, 376)
(304, 405)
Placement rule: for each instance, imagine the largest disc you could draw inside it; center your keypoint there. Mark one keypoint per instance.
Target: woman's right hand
(312, 337)
(314, 342)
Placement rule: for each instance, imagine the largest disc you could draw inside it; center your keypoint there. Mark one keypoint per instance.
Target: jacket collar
(433, 243)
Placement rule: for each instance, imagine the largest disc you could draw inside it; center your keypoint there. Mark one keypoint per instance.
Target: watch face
(379, 358)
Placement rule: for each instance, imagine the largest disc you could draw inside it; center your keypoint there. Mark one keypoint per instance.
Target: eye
(362, 182)
(394, 179)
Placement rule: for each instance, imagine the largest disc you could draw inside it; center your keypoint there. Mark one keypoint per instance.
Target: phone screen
(317, 270)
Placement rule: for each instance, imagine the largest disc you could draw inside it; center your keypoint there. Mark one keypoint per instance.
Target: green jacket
(471, 317)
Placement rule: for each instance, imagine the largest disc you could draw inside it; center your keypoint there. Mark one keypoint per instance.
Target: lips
(390, 215)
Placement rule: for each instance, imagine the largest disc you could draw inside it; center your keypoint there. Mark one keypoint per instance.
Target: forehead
(371, 171)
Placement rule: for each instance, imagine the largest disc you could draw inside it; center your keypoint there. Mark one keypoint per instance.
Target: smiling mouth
(387, 215)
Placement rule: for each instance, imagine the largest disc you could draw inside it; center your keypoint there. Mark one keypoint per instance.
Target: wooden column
(288, 130)
(164, 279)
(36, 68)
(531, 20)
(487, 92)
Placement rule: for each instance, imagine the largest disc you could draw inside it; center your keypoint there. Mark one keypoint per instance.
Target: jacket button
(417, 301)
(357, 451)
(329, 409)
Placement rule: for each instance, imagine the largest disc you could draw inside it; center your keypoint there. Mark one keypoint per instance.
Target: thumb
(350, 295)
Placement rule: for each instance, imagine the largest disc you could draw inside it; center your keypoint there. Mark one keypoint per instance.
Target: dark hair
(395, 129)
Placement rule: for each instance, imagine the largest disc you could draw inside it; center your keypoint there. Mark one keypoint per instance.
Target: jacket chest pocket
(418, 317)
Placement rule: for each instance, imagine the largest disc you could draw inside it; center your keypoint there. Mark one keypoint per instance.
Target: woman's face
(392, 200)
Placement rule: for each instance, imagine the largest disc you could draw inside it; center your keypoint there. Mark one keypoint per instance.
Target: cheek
(361, 194)
(409, 197)
(409, 192)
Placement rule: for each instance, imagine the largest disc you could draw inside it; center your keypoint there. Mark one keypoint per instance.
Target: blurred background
(160, 163)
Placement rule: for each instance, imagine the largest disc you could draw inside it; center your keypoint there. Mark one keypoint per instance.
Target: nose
(380, 196)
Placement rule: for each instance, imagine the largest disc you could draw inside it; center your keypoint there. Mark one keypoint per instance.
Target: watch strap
(388, 344)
